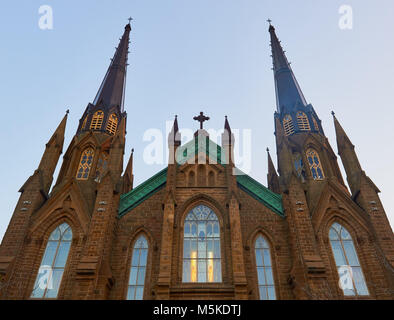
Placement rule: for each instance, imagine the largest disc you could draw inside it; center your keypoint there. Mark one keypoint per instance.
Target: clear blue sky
(187, 56)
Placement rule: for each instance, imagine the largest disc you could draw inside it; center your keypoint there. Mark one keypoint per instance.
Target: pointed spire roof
(111, 92)
(288, 91)
(58, 135)
(227, 135)
(272, 175)
(342, 138)
(174, 135)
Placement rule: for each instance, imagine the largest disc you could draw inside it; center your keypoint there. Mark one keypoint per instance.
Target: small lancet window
(288, 125)
(299, 165)
(53, 263)
(315, 164)
(351, 277)
(85, 164)
(264, 269)
(138, 269)
(97, 120)
(201, 246)
(112, 123)
(302, 121)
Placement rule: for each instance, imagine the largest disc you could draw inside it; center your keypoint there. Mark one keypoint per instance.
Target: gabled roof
(130, 200)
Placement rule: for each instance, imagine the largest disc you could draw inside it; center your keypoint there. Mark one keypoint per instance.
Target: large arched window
(85, 164)
(302, 121)
(288, 125)
(97, 120)
(138, 269)
(201, 246)
(351, 278)
(53, 263)
(315, 164)
(264, 269)
(112, 123)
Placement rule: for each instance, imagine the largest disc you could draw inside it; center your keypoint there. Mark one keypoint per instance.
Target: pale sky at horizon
(190, 56)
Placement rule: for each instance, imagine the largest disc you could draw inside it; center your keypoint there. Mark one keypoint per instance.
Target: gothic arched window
(138, 269)
(288, 125)
(302, 121)
(201, 246)
(351, 278)
(85, 164)
(97, 120)
(315, 164)
(264, 269)
(53, 263)
(112, 123)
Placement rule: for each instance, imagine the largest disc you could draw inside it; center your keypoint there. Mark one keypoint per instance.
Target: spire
(53, 150)
(348, 155)
(174, 138)
(288, 92)
(272, 176)
(111, 92)
(128, 176)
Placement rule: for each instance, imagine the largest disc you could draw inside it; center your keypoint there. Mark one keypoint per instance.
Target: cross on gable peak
(201, 118)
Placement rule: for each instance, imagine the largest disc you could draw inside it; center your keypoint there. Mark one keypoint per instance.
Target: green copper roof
(261, 193)
(133, 198)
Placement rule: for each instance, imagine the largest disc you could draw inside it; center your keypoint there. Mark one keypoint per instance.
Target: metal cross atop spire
(269, 21)
(201, 118)
(130, 19)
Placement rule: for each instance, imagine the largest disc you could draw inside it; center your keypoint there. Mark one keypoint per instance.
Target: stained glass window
(97, 120)
(85, 164)
(315, 164)
(351, 278)
(299, 165)
(288, 125)
(112, 123)
(201, 246)
(53, 263)
(302, 121)
(138, 269)
(264, 269)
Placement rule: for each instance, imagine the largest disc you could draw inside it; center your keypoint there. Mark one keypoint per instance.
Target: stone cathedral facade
(197, 230)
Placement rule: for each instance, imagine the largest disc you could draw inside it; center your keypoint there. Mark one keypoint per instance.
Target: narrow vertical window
(102, 166)
(351, 278)
(97, 120)
(288, 125)
(191, 179)
(138, 269)
(302, 121)
(264, 269)
(201, 246)
(85, 164)
(315, 164)
(53, 263)
(112, 123)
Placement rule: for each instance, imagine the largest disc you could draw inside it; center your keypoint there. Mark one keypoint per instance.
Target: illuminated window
(264, 269)
(138, 270)
(315, 164)
(97, 120)
(53, 263)
(112, 123)
(315, 123)
(288, 125)
(85, 164)
(302, 121)
(201, 246)
(351, 278)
